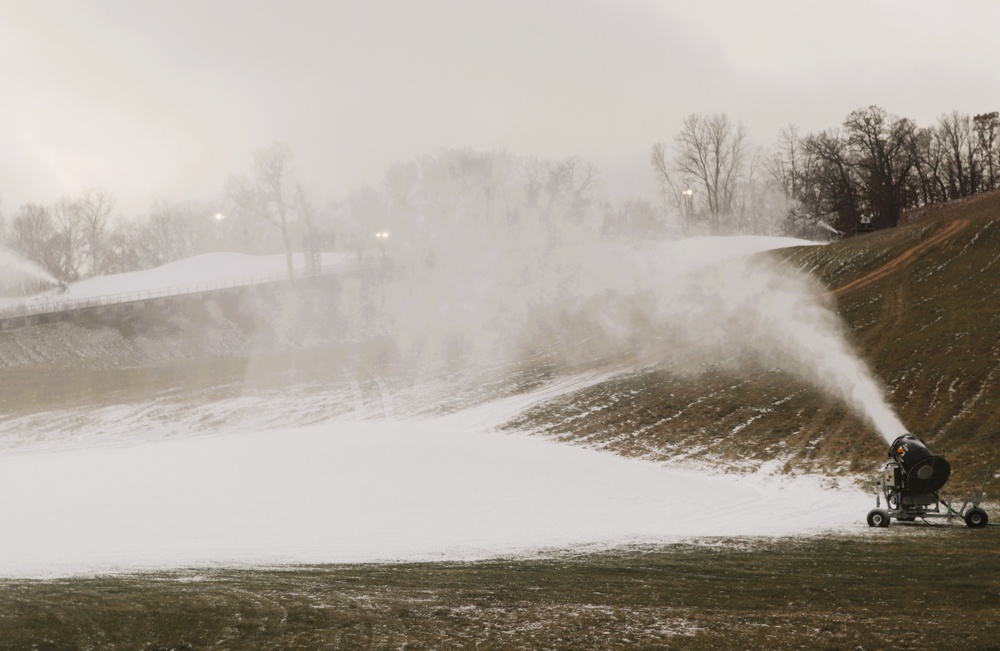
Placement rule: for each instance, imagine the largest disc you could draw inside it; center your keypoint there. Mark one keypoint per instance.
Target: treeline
(81, 236)
(447, 196)
(862, 175)
(712, 177)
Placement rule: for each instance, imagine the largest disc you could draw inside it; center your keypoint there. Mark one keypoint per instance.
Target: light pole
(688, 201)
(219, 219)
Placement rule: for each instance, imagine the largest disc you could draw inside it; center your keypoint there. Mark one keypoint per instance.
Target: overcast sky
(166, 99)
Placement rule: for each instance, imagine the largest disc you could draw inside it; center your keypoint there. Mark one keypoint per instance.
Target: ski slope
(365, 490)
(371, 491)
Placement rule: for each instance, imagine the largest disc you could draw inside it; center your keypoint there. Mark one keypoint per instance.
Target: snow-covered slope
(179, 481)
(370, 491)
(196, 273)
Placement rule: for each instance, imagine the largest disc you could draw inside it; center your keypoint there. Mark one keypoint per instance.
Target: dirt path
(904, 260)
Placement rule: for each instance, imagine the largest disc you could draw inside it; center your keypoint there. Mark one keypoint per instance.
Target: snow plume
(755, 311)
(504, 259)
(15, 269)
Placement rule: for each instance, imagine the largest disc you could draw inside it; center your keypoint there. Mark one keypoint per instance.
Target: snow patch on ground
(371, 491)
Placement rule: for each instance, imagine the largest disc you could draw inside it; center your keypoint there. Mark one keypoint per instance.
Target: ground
(911, 587)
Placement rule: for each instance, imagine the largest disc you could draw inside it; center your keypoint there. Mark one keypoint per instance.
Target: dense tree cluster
(863, 174)
(877, 165)
(712, 177)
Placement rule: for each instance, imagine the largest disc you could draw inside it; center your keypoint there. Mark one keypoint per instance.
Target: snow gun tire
(878, 518)
(976, 518)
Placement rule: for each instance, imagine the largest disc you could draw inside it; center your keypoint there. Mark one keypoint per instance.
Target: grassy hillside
(929, 321)
(922, 304)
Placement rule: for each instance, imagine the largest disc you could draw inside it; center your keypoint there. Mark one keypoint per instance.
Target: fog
(490, 262)
(495, 263)
(165, 100)
(621, 305)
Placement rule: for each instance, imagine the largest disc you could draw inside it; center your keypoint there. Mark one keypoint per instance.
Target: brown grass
(903, 587)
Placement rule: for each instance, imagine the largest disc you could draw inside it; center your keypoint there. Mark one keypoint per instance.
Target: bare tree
(711, 152)
(95, 206)
(830, 189)
(676, 193)
(363, 214)
(68, 219)
(128, 247)
(264, 196)
(954, 133)
(569, 188)
(752, 210)
(785, 166)
(987, 130)
(930, 166)
(868, 172)
(178, 230)
(311, 239)
(400, 184)
(32, 233)
(883, 151)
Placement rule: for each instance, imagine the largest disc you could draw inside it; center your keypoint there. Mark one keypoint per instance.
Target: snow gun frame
(910, 484)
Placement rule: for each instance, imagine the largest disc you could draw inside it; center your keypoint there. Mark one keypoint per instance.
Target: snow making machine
(910, 484)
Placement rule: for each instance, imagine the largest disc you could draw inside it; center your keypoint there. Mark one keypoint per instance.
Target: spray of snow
(14, 268)
(755, 311)
(686, 306)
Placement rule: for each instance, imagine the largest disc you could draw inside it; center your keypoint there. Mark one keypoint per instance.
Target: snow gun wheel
(878, 518)
(976, 518)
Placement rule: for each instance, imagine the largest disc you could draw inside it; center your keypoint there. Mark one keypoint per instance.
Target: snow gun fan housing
(910, 484)
(913, 471)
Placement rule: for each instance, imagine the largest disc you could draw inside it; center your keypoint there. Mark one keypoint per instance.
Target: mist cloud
(498, 259)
